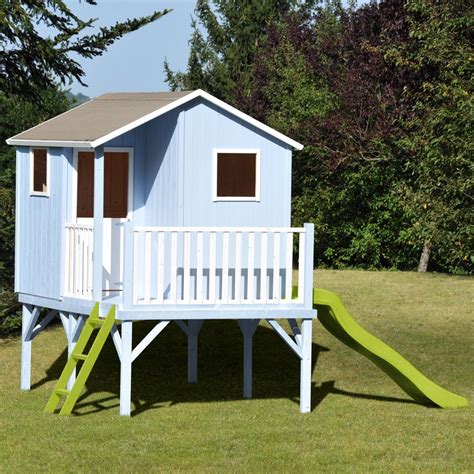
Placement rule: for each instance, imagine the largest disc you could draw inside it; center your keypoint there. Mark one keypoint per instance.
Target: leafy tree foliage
(31, 62)
(383, 103)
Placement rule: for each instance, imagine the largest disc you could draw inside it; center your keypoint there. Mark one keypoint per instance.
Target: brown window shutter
(116, 184)
(85, 184)
(40, 171)
(236, 173)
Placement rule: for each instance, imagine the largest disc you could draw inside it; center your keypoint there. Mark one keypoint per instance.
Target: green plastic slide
(335, 318)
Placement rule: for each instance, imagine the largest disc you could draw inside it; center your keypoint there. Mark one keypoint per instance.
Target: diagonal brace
(43, 323)
(284, 335)
(32, 324)
(145, 342)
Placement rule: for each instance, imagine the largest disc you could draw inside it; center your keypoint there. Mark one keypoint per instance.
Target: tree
(226, 36)
(438, 189)
(387, 128)
(31, 62)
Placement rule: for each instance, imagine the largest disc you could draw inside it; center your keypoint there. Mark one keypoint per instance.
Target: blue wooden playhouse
(175, 207)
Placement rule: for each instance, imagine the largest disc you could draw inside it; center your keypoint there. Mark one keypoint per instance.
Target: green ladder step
(61, 391)
(80, 356)
(88, 361)
(95, 321)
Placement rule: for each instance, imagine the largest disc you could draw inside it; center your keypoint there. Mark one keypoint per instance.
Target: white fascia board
(46, 143)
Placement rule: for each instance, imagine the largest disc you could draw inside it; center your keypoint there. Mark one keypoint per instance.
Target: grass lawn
(361, 420)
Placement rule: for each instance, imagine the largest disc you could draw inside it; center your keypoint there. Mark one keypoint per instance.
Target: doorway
(118, 206)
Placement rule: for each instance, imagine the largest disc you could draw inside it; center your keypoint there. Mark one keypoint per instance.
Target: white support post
(305, 371)
(27, 316)
(248, 327)
(308, 267)
(98, 236)
(126, 369)
(194, 326)
(72, 337)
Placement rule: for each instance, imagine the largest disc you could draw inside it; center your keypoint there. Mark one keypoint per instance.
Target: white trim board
(163, 110)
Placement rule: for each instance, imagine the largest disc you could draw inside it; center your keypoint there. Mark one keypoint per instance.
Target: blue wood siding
(40, 220)
(163, 169)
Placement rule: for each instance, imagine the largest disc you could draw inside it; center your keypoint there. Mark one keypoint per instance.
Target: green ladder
(93, 322)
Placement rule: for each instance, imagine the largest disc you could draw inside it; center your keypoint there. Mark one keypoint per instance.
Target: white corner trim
(253, 151)
(32, 172)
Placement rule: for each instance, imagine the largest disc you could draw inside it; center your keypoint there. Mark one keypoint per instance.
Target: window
(236, 175)
(115, 184)
(39, 171)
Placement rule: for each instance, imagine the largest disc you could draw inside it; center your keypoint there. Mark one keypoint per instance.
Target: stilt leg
(194, 326)
(27, 316)
(305, 372)
(248, 327)
(126, 369)
(71, 342)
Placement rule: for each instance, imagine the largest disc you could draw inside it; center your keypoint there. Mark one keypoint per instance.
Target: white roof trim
(163, 110)
(58, 143)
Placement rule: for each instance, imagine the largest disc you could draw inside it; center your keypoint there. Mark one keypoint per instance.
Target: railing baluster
(212, 266)
(289, 266)
(136, 266)
(199, 267)
(174, 265)
(161, 266)
(147, 257)
(251, 266)
(238, 266)
(76, 267)
(225, 267)
(187, 268)
(276, 268)
(301, 256)
(263, 267)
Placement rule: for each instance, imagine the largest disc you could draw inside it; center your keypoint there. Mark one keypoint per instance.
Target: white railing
(216, 265)
(79, 245)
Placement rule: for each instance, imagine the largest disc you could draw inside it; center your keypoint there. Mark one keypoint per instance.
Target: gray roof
(100, 116)
(110, 115)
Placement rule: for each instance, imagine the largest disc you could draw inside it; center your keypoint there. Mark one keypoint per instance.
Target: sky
(135, 62)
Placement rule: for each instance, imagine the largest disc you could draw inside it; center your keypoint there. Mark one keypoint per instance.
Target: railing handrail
(216, 229)
(78, 225)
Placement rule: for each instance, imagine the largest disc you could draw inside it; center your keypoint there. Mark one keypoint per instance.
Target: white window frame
(32, 172)
(249, 151)
(129, 150)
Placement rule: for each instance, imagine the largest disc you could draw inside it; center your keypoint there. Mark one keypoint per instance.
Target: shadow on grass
(159, 375)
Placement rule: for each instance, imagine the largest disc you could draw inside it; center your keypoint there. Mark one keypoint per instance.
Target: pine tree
(226, 36)
(31, 62)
